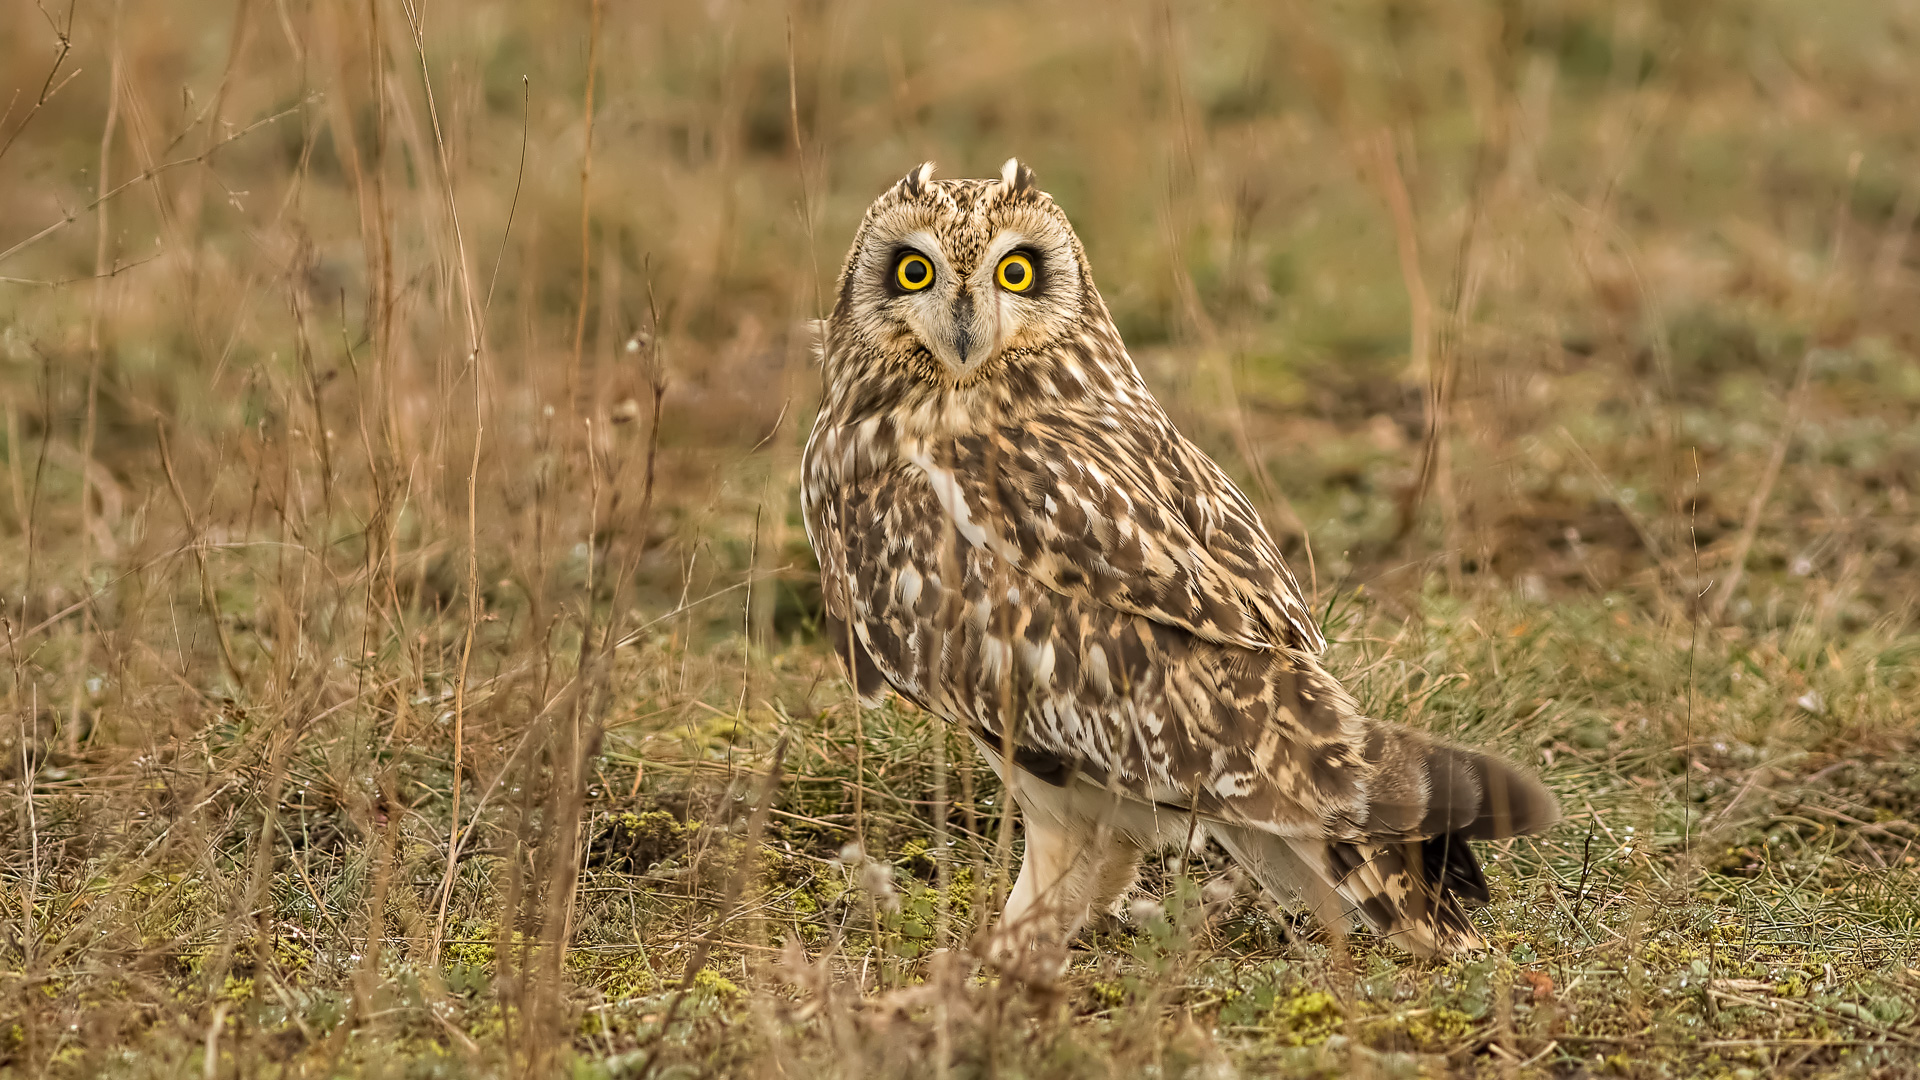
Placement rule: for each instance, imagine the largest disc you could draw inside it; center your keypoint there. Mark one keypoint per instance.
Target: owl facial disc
(954, 316)
(947, 277)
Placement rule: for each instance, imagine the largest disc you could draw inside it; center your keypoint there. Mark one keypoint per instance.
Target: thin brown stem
(576, 372)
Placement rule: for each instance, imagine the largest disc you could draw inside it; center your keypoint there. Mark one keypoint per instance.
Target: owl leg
(1071, 861)
(1034, 906)
(1116, 876)
(1290, 879)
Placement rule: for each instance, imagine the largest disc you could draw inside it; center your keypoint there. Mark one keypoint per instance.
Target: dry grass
(410, 633)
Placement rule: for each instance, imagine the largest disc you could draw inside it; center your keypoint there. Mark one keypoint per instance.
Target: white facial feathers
(924, 285)
(966, 315)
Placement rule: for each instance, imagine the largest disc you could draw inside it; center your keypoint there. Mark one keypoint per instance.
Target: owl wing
(1129, 515)
(1253, 734)
(1364, 820)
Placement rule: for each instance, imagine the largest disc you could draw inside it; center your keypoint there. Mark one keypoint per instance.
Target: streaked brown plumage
(1013, 535)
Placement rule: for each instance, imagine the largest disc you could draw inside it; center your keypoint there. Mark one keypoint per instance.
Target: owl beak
(972, 340)
(963, 331)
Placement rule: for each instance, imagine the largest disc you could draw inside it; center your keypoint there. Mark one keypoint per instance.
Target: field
(410, 637)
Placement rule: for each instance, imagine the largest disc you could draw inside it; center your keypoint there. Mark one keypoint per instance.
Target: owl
(1013, 536)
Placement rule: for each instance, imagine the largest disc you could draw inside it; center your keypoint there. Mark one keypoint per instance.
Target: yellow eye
(1015, 273)
(914, 272)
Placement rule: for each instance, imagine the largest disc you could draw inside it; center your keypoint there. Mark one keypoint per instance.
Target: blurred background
(403, 404)
(1406, 267)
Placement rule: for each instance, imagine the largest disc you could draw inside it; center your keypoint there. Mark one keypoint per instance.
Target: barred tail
(1406, 870)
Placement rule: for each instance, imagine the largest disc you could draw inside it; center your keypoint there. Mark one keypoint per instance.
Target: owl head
(949, 281)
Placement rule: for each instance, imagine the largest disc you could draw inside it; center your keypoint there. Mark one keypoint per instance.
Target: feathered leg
(1288, 878)
(1115, 877)
(1074, 860)
(1034, 907)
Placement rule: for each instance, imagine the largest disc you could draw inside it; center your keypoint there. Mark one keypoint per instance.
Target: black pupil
(915, 271)
(1016, 273)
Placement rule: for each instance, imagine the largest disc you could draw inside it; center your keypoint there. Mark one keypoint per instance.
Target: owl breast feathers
(1013, 535)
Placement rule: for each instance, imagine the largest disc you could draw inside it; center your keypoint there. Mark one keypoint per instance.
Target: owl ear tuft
(1017, 176)
(914, 184)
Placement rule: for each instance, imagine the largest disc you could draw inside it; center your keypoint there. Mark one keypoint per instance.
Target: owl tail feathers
(1368, 884)
(1395, 891)
(1407, 870)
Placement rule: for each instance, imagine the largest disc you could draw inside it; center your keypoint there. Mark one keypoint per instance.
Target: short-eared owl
(1013, 536)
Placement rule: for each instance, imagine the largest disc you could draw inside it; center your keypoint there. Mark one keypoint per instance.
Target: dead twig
(63, 39)
(1796, 399)
(1737, 563)
(148, 174)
